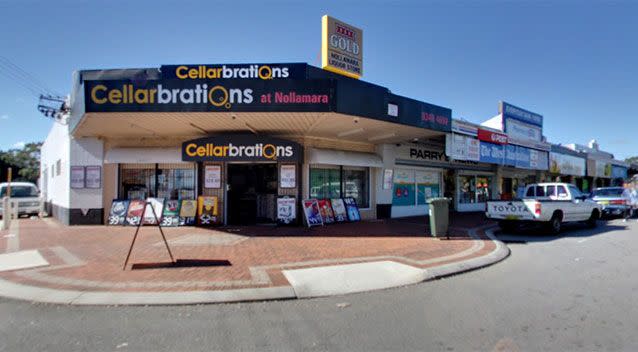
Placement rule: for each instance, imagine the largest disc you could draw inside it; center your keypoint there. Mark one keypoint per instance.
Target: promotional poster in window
(135, 212)
(353, 210)
(312, 212)
(170, 217)
(117, 215)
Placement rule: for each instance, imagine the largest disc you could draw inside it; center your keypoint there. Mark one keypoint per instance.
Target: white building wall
(387, 152)
(87, 152)
(495, 122)
(54, 157)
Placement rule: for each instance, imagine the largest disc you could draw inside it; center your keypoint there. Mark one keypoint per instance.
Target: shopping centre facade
(289, 129)
(246, 136)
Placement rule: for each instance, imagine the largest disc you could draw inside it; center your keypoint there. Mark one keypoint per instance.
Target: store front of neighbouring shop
(566, 165)
(525, 154)
(423, 170)
(619, 173)
(243, 142)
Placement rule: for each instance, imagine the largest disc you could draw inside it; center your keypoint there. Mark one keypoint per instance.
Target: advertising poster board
(170, 216)
(157, 204)
(212, 176)
(286, 210)
(352, 209)
(288, 176)
(387, 178)
(77, 177)
(206, 210)
(339, 210)
(93, 177)
(461, 147)
(326, 211)
(187, 212)
(517, 130)
(312, 212)
(117, 214)
(427, 183)
(404, 189)
(566, 164)
(135, 211)
(473, 152)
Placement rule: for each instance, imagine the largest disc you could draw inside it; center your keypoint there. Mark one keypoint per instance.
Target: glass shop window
(169, 181)
(335, 181)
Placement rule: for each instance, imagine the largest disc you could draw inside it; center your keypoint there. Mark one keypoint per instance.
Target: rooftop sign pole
(341, 47)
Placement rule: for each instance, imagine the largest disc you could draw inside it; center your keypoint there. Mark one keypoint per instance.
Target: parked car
(550, 204)
(26, 195)
(612, 200)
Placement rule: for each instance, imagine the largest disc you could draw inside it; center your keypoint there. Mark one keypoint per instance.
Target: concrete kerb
(75, 297)
(499, 253)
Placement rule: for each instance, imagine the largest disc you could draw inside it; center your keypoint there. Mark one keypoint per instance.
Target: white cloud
(18, 145)
(4, 117)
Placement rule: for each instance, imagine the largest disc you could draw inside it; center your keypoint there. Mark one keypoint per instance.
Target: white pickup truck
(551, 204)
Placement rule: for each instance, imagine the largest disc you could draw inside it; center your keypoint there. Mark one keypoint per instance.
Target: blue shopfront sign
(542, 160)
(492, 153)
(523, 158)
(510, 155)
(618, 172)
(515, 156)
(514, 112)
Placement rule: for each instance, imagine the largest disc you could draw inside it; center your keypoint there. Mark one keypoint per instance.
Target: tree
(24, 162)
(632, 160)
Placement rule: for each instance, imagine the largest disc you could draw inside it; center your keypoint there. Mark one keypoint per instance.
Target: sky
(572, 62)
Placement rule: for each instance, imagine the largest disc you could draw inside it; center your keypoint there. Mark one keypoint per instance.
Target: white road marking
(21, 260)
(349, 278)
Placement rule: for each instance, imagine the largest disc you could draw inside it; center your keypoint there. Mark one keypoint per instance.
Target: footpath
(83, 264)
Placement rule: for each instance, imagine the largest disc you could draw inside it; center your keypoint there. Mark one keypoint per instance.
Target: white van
(25, 194)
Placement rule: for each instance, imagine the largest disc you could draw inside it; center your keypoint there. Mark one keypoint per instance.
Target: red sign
(343, 30)
(492, 137)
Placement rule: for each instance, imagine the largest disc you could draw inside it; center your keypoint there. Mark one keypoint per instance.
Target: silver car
(613, 200)
(25, 195)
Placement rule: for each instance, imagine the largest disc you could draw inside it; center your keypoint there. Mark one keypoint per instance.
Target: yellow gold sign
(341, 47)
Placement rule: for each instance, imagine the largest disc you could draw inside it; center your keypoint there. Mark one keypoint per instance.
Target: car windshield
(20, 191)
(608, 192)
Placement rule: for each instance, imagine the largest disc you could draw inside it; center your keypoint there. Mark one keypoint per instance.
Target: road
(577, 291)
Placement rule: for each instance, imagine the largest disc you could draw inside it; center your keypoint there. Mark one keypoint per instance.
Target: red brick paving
(104, 249)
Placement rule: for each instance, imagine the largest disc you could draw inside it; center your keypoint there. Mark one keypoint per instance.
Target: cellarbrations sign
(241, 147)
(175, 95)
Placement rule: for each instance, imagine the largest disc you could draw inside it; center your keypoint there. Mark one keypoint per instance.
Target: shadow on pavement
(416, 226)
(182, 263)
(539, 234)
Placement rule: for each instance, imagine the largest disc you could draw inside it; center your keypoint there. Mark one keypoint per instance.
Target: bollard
(7, 213)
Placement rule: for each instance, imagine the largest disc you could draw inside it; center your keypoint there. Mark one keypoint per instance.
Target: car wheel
(555, 224)
(507, 226)
(592, 222)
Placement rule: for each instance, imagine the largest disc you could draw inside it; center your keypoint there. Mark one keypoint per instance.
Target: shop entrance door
(252, 193)
(507, 188)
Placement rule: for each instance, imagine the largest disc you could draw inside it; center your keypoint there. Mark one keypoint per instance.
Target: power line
(34, 91)
(50, 104)
(26, 75)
